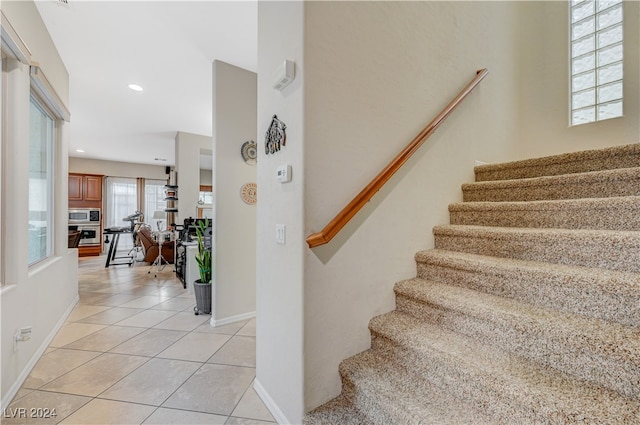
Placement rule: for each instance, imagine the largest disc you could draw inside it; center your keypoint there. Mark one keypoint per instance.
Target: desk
(113, 247)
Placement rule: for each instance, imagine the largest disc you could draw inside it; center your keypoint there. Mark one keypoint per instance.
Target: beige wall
(206, 177)
(544, 68)
(188, 148)
(40, 296)
(234, 122)
(361, 93)
(26, 20)
(116, 168)
(279, 268)
(367, 94)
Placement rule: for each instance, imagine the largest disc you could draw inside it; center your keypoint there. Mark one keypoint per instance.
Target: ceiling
(167, 47)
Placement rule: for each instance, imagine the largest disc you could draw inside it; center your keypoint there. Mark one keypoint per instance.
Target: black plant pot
(203, 297)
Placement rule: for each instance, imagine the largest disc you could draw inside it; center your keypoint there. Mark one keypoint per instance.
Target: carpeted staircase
(526, 312)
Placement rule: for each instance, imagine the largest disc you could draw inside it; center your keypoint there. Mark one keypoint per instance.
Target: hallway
(133, 352)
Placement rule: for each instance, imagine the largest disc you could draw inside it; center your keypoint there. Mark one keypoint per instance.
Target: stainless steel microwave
(84, 215)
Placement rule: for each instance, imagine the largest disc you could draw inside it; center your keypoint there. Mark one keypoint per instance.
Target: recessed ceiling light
(80, 150)
(135, 87)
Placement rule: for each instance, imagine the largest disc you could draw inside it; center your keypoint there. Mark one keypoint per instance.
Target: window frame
(52, 150)
(4, 140)
(596, 87)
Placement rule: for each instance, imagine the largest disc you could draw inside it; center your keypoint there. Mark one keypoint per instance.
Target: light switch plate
(281, 234)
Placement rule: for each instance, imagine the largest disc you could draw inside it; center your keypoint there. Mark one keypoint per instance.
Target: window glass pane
(585, 63)
(610, 36)
(41, 133)
(610, 110)
(610, 73)
(584, 81)
(610, 92)
(582, 46)
(583, 116)
(121, 202)
(3, 131)
(610, 55)
(206, 198)
(581, 11)
(154, 194)
(604, 4)
(583, 28)
(610, 17)
(597, 54)
(585, 98)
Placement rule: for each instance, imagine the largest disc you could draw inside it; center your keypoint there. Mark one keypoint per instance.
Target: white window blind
(596, 60)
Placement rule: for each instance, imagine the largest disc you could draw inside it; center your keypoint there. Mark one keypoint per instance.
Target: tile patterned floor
(133, 352)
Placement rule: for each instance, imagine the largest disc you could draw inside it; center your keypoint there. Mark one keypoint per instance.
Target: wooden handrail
(343, 217)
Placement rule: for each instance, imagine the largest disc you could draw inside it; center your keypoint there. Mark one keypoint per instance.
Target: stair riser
(530, 341)
(563, 292)
(365, 404)
(569, 218)
(621, 157)
(480, 389)
(569, 188)
(606, 253)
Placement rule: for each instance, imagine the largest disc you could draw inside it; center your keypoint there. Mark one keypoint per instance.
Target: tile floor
(133, 352)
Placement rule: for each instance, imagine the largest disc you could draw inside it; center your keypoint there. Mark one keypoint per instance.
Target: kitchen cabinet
(92, 188)
(75, 187)
(85, 190)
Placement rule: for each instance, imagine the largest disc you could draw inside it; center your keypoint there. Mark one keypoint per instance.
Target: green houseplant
(202, 286)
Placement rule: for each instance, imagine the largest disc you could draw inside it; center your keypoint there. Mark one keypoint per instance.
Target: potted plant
(202, 286)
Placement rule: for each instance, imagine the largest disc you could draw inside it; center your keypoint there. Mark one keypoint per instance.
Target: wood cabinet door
(92, 188)
(75, 187)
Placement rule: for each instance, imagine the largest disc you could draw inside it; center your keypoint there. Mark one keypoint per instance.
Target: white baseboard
(232, 319)
(36, 356)
(270, 404)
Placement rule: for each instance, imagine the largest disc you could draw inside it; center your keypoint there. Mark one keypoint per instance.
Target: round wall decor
(249, 152)
(249, 193)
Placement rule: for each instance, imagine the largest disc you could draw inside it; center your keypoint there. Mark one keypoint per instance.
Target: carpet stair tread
(526, 311)
(385, 386)
(589, 291)
(337, 411)
(581, 247)
(614, 213)
(584, 347)
(623, 156)
(593, 184)
(489, 375)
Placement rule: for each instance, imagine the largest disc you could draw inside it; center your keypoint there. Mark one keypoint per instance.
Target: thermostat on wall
(283, 174)
(284, 75)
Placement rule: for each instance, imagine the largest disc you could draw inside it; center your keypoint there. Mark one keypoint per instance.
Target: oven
(87, 220)
(90, 233)
(84, 216)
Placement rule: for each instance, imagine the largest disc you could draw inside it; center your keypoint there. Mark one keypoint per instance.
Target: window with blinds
(596, 60)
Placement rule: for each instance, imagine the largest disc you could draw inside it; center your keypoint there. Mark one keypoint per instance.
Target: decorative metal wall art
(249, 152)
(276, 136)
